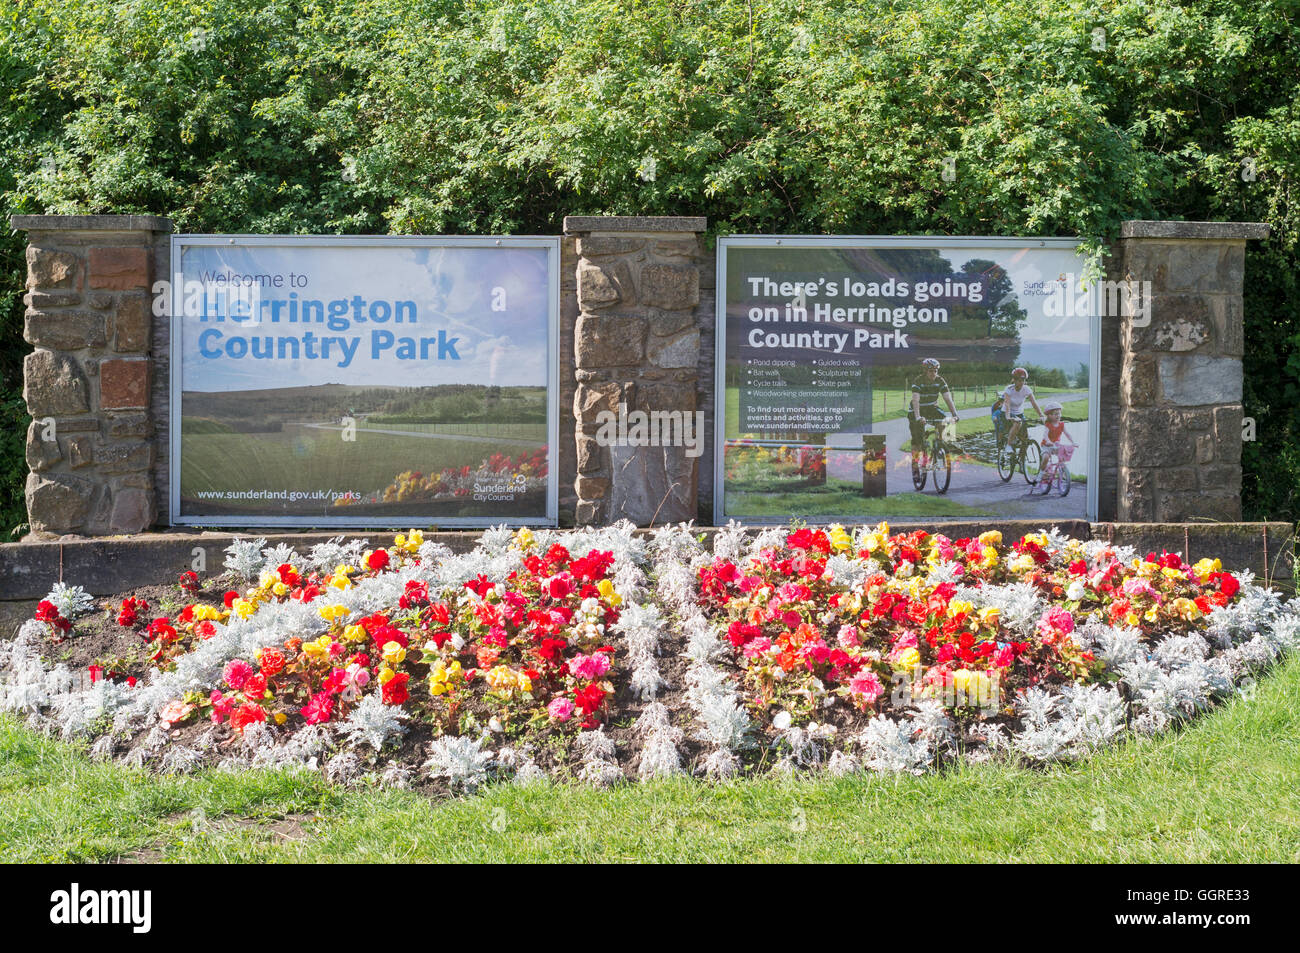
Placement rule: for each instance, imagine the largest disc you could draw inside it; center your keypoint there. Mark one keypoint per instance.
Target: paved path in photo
(973, 484)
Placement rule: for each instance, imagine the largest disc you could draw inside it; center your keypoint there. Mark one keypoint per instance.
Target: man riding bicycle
(1011, 401)
(925, 401)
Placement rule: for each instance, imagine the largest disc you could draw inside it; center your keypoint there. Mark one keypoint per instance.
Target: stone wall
(636, 346)
(91, 380)
(1180, 420)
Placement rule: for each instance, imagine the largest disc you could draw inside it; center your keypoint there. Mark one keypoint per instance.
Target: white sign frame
(879, 241)
(183, 241)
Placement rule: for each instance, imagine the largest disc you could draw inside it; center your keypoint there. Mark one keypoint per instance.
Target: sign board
(363, 381)
(868, 378)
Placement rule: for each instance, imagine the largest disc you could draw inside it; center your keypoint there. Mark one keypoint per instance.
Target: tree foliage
(1033, 117)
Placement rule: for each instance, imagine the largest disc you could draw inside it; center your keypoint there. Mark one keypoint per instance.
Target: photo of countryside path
(452, 450)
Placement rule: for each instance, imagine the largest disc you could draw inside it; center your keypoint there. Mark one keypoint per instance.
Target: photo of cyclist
(1011, 401)
(1054, 425)
(925, 400)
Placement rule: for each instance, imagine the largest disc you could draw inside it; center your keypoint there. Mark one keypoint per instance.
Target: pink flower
(847, 637)
(561, 709)
(221, 706)
(319, 709)
(589, 666)
(174, 711)
(1056, 619)
(866, 686)
(237, 673)
(756, 647)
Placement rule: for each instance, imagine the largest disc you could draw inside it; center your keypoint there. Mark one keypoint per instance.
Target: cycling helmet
(1019, 372)
(930, 362)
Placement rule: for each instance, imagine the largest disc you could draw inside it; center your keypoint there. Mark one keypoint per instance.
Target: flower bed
(599, 655)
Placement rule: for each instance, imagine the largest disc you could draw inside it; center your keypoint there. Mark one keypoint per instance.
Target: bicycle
(1023, 456)
(1056, 472)
(932, 458)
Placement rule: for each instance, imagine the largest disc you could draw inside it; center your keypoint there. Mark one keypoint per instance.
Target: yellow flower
(394, 653)
(354, 633)
(386, 674)
(991, 538)
(507, 680)
(340, 582)
(1204, 567)
(267, 579)
(608, 594)
(524, 538)
(989, 557)
(990, 616)
(334, 612)
(280, 589)
(280, 717)
(205, 613)
(1186, 609)
(1021, 563)
(1131, 619)
(907, 659)
(244, 608)
(1169, 573)
(443, 677)
(318, 649)
(959, 605)
(972, 688)
(840, 539)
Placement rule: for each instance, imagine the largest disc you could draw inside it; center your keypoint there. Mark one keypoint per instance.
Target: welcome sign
(363, 381)
(905, 377)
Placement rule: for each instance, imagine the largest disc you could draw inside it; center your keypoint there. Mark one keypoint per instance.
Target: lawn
(1222, 790)
(304, 458)
(843, 500)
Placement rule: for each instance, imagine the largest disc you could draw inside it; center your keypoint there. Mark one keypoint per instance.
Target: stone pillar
(90, 382)
(1180, 413)
(636, 343)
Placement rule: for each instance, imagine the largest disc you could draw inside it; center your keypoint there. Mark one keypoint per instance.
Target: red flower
(395, 692)
(272, 662)
(557, 587)
(229, 598)
(245, 715)
(589, 698)
(319, 709)
(189, 581)
(96, 673)
(378, 559)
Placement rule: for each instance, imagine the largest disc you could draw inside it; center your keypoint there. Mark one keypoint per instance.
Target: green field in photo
(305, 458)
(842, 499)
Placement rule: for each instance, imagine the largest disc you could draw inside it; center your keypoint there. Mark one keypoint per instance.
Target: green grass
(1222, 790)
(840, 498)
(535, 432)
(303, 458)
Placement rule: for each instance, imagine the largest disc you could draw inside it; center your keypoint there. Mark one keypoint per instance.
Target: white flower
(782, 721)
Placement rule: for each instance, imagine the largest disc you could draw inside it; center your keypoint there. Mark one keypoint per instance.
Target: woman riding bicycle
(1011, 401)
(925, 401)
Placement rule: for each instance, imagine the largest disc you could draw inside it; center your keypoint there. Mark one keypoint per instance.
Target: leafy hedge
(765, 115)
